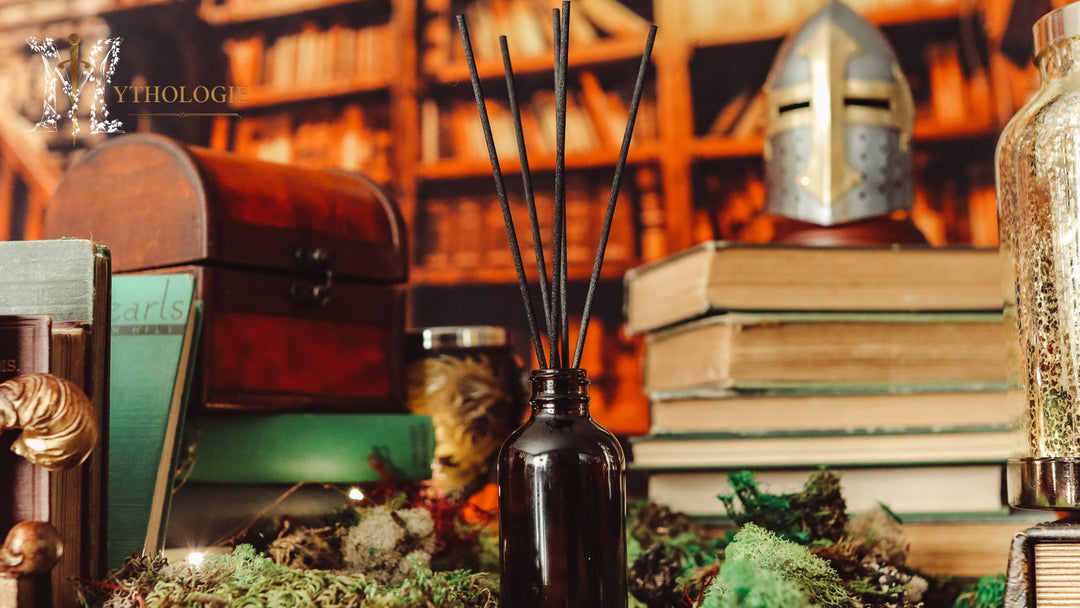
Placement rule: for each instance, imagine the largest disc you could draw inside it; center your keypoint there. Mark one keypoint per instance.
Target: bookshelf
(328, 82)
(694, 171)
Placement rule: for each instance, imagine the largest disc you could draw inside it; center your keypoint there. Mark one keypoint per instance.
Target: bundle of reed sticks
(553, 290)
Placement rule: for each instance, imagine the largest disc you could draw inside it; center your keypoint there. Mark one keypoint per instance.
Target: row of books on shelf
(527, 24)
(468, 232)
(954, 102)
(353, 137)
(595, 121)
(886, 364)
(312, 57)
(698, 18)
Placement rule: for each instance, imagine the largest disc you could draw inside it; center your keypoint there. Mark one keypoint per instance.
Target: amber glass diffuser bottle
(562, 502)
(562, 499)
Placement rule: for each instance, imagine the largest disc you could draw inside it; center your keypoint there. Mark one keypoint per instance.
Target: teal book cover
(294, 447)
(153, 325)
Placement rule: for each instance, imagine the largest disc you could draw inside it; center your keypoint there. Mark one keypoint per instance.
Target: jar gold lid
(1057, 25)
(461, 336)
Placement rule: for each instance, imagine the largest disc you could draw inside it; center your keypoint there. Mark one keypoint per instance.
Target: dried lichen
(667, 553)
(298, 546)
(244, 578)
(384, 542)
(472, 411)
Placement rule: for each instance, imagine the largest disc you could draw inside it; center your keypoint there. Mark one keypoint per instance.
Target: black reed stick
(500, 190)
(556, 332)
(616, 182)
(530, 200)
(560, 181)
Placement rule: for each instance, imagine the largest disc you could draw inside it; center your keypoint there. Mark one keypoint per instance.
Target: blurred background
(380, 87)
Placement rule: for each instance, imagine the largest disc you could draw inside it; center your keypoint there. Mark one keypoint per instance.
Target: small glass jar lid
(460, 336)
(1057, 25)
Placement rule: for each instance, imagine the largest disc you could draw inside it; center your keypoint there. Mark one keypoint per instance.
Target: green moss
(817, 514)
(775, 559)
(987, 592)
(244, 578)
(742, 584)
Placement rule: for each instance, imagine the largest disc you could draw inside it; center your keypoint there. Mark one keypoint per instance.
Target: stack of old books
(884, 364)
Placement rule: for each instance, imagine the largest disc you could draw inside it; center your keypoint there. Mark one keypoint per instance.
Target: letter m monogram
(73, 75)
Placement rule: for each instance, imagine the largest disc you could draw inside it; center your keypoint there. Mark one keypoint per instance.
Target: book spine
(24, 349)
(329, 448)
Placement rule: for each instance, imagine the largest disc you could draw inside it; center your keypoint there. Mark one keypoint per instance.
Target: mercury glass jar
(1038, 186)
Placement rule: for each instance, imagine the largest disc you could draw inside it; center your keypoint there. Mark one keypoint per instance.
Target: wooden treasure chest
(301, 272)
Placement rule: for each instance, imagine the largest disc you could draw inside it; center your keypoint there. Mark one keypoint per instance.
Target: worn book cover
(832, 408)
(817, 350)
(721, 276)
(855, 447)
(153, 328)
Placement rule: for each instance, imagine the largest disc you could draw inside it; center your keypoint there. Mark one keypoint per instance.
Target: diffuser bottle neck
(563, 392)
(1057, 43)
(1060, 60)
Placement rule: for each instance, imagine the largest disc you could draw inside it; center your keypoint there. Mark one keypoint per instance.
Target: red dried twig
(138, 597)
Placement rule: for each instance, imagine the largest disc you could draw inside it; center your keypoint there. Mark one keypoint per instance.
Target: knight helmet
(839, 120)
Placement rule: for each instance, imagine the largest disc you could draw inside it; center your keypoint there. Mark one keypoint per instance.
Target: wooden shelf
(451, 276)
(708, 148)
(508, 162)
(257, 10)
(882, 17)
(261, 97)
(608, 51)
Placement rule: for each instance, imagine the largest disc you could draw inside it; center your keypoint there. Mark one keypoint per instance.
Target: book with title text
(154, 330)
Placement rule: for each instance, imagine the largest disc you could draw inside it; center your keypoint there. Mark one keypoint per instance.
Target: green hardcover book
(837, 447)
(724, 276)
(294, 447)
(153, 325)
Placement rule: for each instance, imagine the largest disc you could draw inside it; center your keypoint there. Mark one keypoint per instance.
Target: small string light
(195, 558)
(356, 494)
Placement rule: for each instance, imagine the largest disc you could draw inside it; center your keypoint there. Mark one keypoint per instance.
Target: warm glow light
(356, 494)
(195, 558)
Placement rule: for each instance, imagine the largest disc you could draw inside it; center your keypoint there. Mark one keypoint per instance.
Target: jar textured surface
(1038, 164)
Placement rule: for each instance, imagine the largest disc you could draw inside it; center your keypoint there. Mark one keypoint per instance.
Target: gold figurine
(56, 418)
